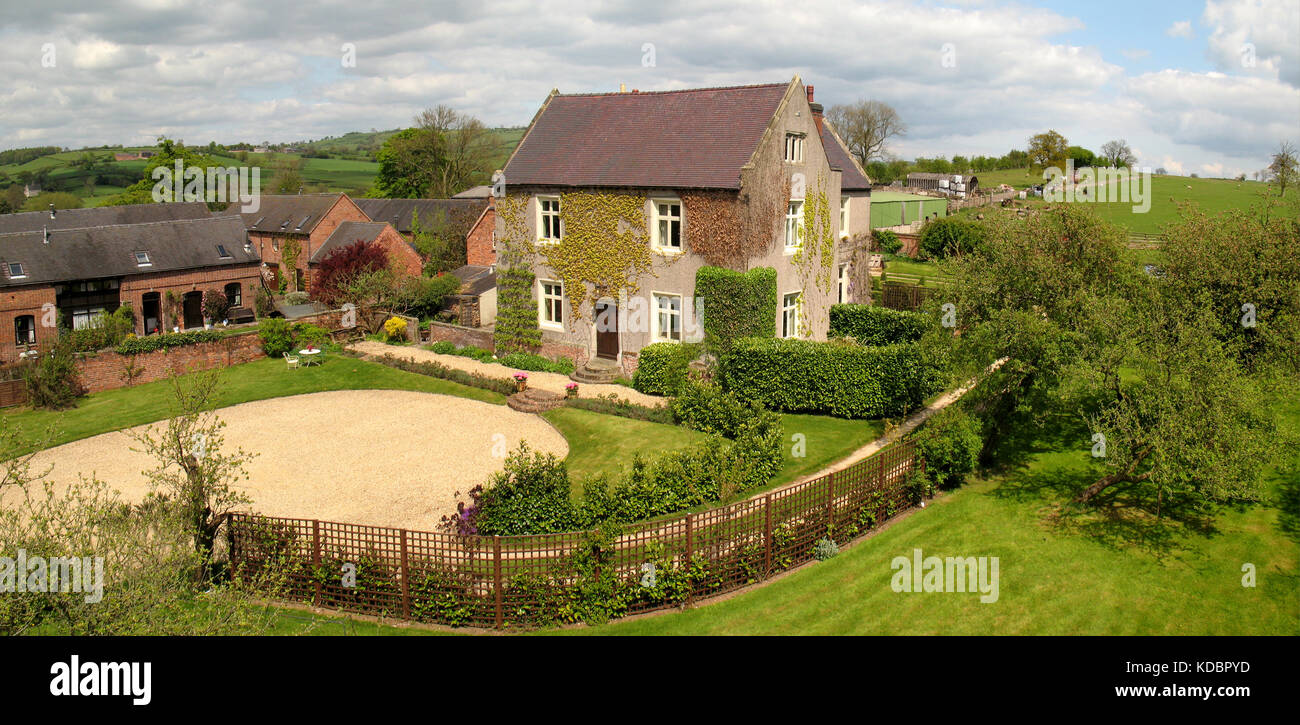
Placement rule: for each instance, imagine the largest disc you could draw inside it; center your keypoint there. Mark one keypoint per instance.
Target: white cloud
(1180, 29)
(1255, 37)
(1135, 53)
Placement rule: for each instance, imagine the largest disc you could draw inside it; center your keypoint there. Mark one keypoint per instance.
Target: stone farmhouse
(740, 177)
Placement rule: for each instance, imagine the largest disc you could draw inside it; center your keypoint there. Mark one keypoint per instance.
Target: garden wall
(105, 370)
(529, 581)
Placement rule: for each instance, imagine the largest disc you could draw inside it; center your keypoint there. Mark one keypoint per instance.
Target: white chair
(292, 360)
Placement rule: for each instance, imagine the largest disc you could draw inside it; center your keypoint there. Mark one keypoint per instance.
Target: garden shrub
(950, 442)
(887, 241)
(443, 347)
(536, 363)
(825, 549)
(530, 496)
(661, 367)
(839, 378)
(611, 404)
(395, 329)
(51, 381)
(706, 407)
(277, 336)
(215, 305)
(736, 304)
(516, 326)
(424, 296)
(167, 340)
(435, 370)
(104, 330)
(951, 236)
(342, 266)
(263, 305)
(476, 353)
(307, 334)
(872, 325)
(297, 298)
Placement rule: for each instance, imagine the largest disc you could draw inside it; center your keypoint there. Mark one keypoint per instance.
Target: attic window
(142, 259)
(16, 270)
(259, 221)
(303, 223)
(221, 252)
(794, 147)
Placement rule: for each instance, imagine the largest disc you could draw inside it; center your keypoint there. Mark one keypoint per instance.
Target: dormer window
(142, 259)
(221, 252)
(16, 270)
(794, 148)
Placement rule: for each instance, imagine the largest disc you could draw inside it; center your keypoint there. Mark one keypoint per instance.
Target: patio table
(311, 357)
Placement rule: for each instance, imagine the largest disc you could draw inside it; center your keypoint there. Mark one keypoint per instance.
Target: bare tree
(866, 126)
(471, 149)
(1283, 169)
(1117, 153)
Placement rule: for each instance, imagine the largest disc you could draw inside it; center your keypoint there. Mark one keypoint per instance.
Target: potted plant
(521, 381)
(571, 390)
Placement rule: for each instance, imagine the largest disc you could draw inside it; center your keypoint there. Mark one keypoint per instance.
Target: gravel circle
(378, 457)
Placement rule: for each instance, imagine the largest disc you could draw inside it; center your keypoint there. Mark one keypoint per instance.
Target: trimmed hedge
(887, 241)
(736, 304)
(871, 325)
(152, 343)
(839, 378)
(661, 367)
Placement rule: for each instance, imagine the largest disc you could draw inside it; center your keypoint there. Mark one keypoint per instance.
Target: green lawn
(604, 444)
(126, 407)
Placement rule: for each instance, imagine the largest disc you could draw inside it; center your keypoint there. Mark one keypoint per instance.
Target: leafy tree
(948, 236)
(410, 164)
(1048, 149)
(441, 246)
(470, 148)
(866, 126)
(60, 200)
(141, 192)
(1282, 169)
(1081, 157)
(338, 272)
(1117, 153)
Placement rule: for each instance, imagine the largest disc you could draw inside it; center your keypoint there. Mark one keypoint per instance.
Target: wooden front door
(607, 330)
(193, 309)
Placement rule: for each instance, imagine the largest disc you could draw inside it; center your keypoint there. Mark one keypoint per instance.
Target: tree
(1117, 153)
(442, 247)
(1283, 167)
(410, 164)
(288, 176)
(338, 272)
(866, 126)
(193, 472)
(1048, 149)
(469, 147)
(169, 152)
(1081, 157)
(60, 200)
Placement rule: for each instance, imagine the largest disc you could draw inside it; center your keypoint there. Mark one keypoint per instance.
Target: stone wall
(106, 369)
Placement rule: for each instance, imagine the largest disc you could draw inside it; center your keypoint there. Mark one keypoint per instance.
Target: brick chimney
(816, 110)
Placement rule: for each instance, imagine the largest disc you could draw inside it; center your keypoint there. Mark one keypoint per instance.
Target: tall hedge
(661, 367)
(838, 378)
(872, 325)
(736, 304)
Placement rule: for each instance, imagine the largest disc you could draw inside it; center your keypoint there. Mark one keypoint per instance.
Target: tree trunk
(1122, 476)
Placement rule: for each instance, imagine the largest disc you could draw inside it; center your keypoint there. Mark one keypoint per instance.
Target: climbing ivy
(815, 257)
(289, 251)
(516, 324)
(605, 245)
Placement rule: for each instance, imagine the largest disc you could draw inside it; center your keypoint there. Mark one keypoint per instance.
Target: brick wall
(105, 369)
(178, 283)
(19, 301)
(460, 336)
(400, 253)
(478, 243)
(343, 210)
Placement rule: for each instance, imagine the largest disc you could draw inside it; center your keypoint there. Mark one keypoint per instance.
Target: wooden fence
(1145, 241)
(527, 581)
(903, 296)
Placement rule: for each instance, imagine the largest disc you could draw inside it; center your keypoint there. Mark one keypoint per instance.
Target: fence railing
(1144, 241)
(526, 581)
(903, 296)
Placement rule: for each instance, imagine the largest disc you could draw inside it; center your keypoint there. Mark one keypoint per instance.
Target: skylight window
(16, 270)
(142, 259)
(221, 252)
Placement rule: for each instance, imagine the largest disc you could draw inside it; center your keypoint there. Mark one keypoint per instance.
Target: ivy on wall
(289, 251)
(516, 324)
(605, 244)
(815, 257)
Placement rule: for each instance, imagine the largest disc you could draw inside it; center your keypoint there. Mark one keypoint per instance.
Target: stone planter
(571, 391)
(521, 385)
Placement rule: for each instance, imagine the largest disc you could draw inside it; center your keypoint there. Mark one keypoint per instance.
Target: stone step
(596, 371)
(523, 403)
(541, 396)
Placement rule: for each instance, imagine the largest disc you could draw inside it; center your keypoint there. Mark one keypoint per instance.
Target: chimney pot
(622, 88)
(810, 94)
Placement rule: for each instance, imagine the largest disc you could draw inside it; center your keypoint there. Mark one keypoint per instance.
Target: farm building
(956, 185)
(895, 208)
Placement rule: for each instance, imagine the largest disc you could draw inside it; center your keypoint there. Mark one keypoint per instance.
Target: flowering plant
(521, 376)
(571, 386)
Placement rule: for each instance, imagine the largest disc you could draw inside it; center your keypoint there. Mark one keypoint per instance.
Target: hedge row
(838, 378)
(736, 304)
(872, 325)
(152, 343)
(661, 367)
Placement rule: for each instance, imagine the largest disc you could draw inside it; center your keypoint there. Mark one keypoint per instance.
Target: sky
(1194, 87)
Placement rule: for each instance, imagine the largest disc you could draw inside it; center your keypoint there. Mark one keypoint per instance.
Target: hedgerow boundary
(532, 581)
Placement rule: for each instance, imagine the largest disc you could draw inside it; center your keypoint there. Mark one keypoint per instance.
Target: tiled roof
(349, 233)
(288, 213)
(690, 139)
(109, 251)
(32, 221)
(460, 214)
(851, 178)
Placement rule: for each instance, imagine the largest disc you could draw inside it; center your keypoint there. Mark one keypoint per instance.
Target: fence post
(315, 561)
(830, 505)
(406, 580)
(690, 553)
(767, 536)
(496, 576)
(881, 475)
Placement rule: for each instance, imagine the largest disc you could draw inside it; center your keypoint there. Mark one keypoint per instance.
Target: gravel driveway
(378, 457)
